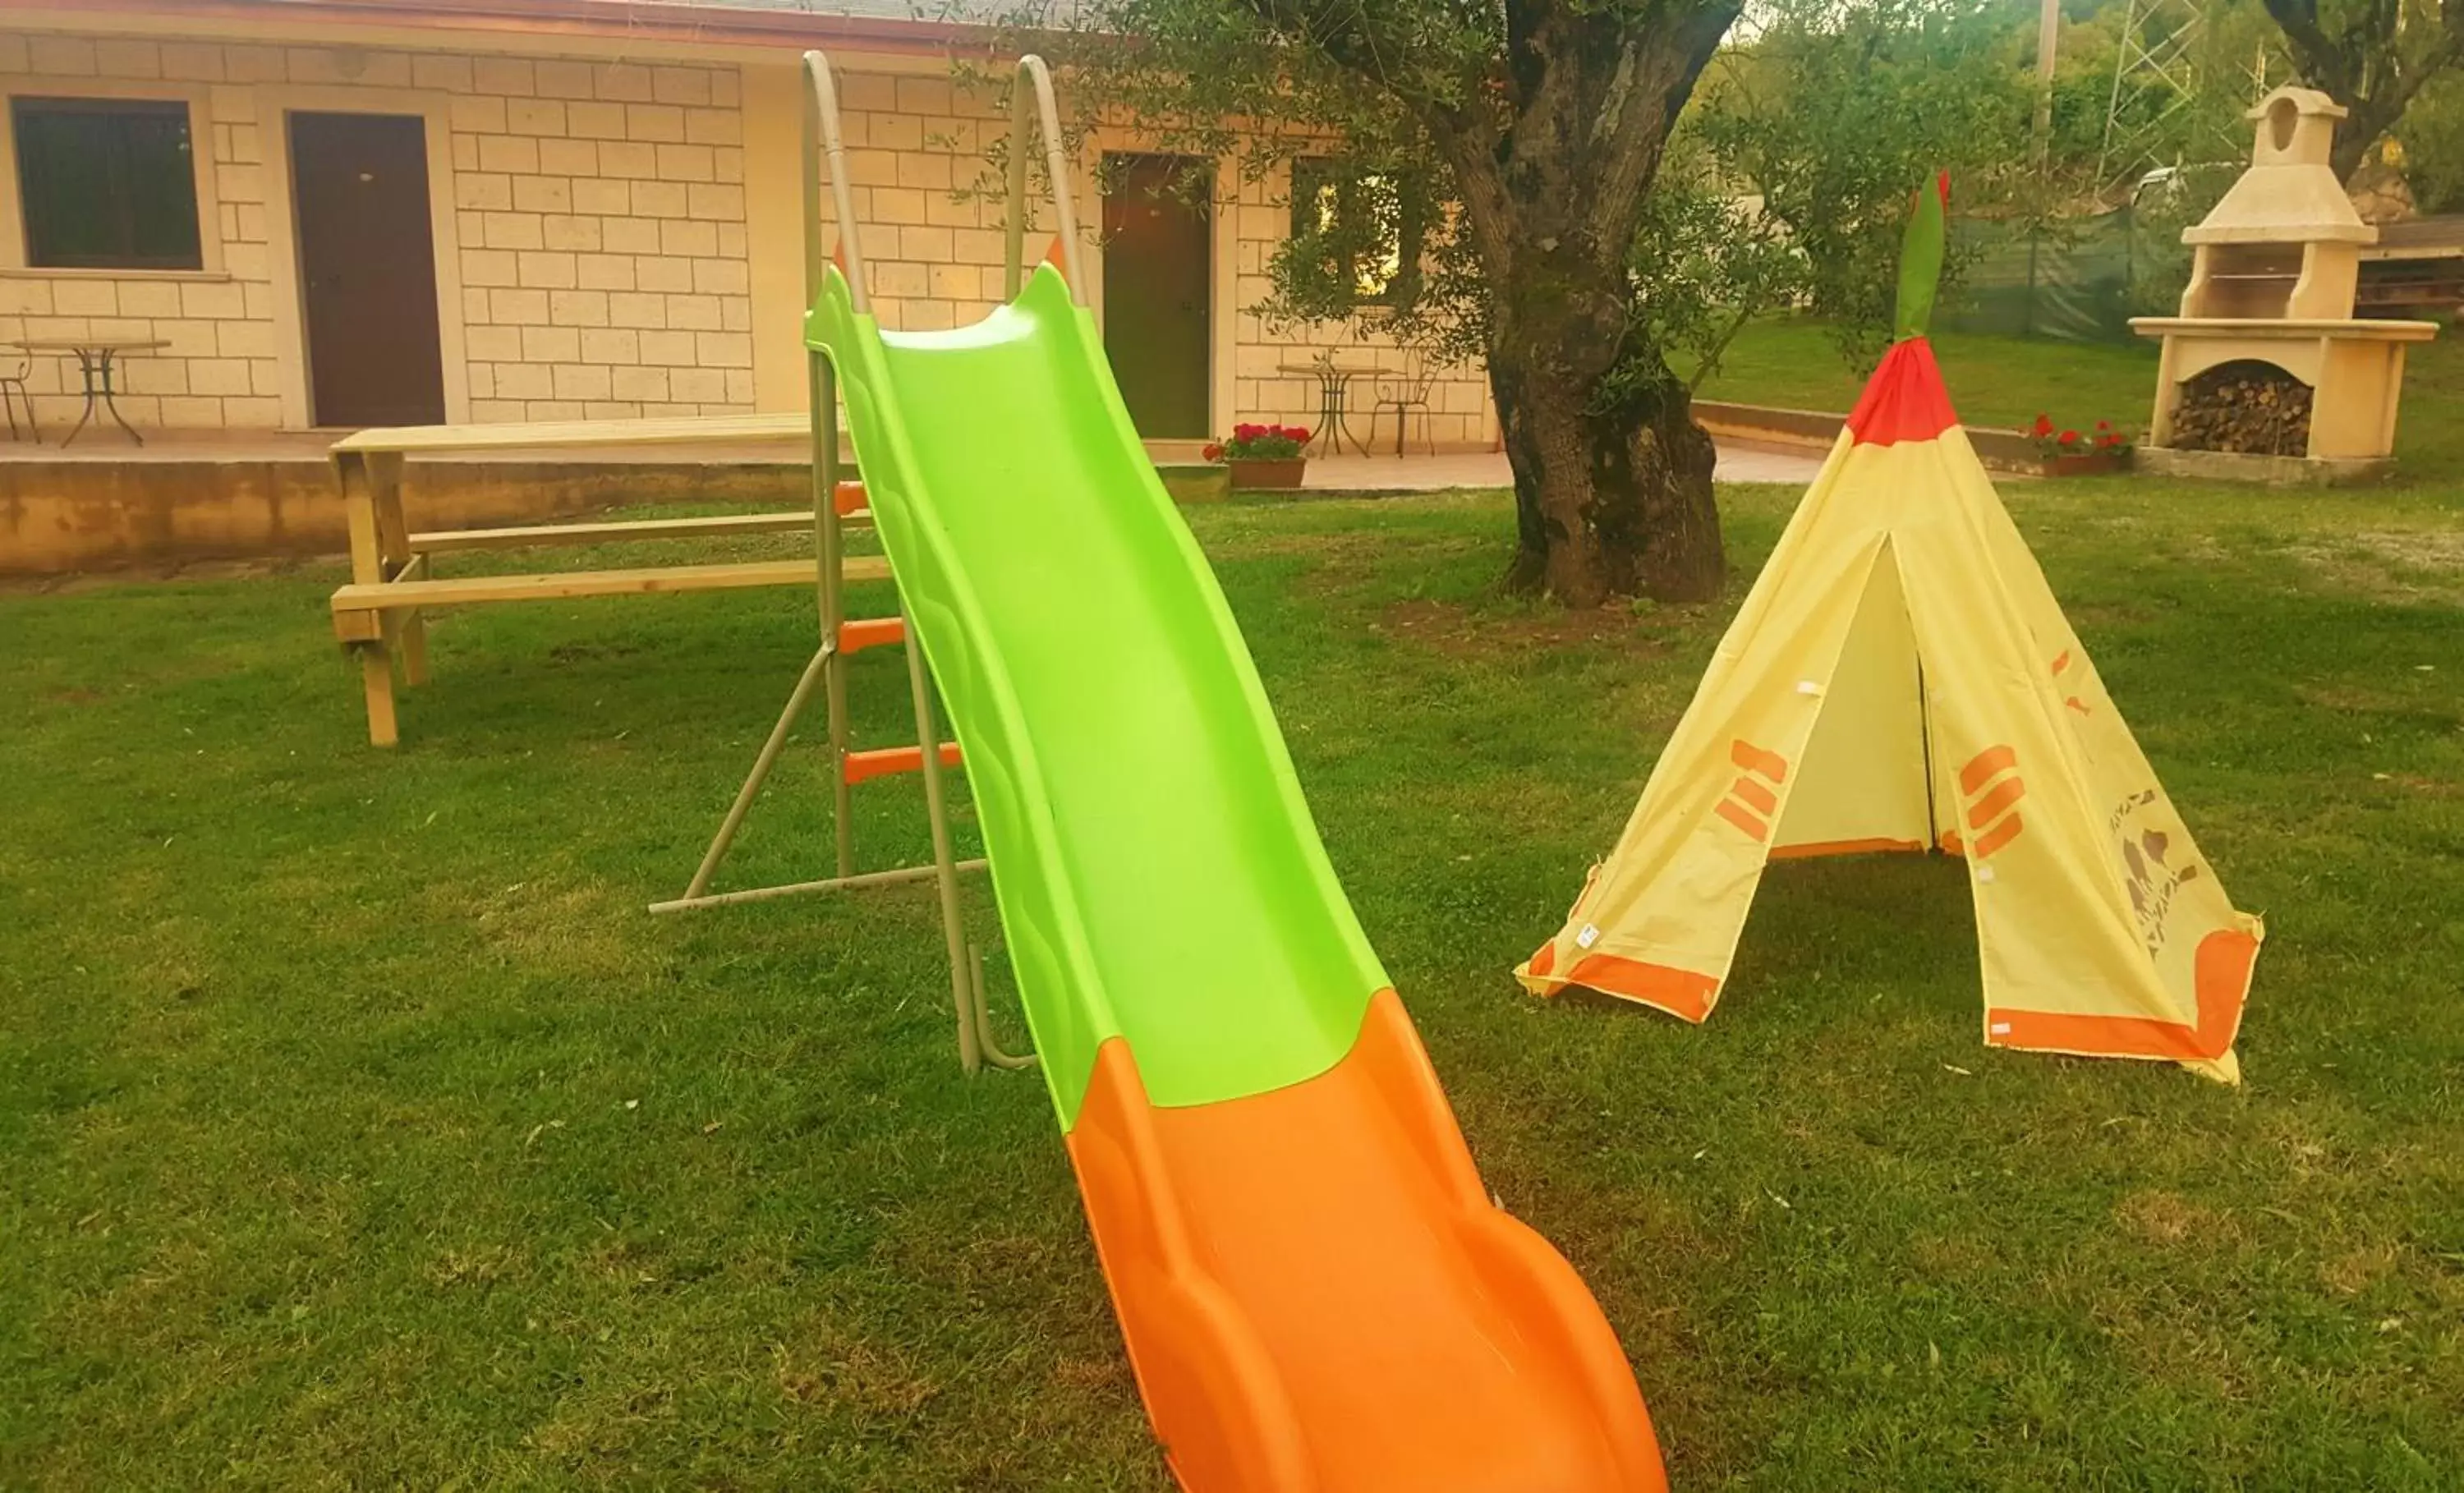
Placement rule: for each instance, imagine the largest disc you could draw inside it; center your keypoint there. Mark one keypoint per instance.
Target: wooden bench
(393, 581)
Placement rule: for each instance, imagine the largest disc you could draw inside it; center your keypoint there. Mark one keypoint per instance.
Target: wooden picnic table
(98, 358)
(393, 580)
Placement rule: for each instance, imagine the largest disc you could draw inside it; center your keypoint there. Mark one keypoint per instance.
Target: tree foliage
(1828, 119)
(2373, 56)
(2431, 134)
(1521, 141)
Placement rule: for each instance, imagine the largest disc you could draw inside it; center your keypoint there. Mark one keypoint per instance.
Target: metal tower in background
(2156, 79)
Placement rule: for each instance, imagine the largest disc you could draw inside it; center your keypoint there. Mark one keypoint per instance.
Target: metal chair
(1403, 392)
(13, 393)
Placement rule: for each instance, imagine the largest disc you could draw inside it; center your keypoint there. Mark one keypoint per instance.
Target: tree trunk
(2357, 133)
(1611, 475)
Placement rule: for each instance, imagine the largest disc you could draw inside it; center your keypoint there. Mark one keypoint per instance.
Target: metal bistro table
(98, 359)
(1334, 389)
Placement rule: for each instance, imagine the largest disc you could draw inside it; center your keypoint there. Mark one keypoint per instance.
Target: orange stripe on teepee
(1755, 796)
(1989, 808)
(1995, 837)
(1982, 768)
(1727, 808)
(1755, 760)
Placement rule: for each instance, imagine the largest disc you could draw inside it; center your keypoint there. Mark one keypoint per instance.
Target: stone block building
(345, 213)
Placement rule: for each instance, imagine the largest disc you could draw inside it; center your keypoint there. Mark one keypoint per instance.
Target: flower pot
(1254, 476)
(2086, 464)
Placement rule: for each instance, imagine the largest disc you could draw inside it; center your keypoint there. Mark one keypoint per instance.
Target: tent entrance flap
(1862, 784)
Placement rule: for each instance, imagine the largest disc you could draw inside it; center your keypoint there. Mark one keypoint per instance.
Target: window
(107, 183)
(1362, 230)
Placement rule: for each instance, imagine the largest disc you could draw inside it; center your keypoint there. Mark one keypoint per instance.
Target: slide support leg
(962, 983)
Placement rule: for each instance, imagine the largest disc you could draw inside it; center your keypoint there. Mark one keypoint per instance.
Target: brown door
(1157, 244)
(367, 269)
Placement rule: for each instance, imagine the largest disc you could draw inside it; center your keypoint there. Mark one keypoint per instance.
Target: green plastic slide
(1158, 875)
(1316, 1292)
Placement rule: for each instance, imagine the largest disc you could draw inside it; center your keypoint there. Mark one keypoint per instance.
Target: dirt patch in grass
(1097, 1374)
(2435, 787)
(866, 1382)
(2391, 564)
(2171, 1221)
(1457, 631)
(2356, 1270)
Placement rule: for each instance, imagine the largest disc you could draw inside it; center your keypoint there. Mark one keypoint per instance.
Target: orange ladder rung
(862, 765)
(872, 632)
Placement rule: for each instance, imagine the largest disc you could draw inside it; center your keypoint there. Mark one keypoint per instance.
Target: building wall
(1457, 415)
(597, 209)
(619, 238)
(603, 254)
(932, 238)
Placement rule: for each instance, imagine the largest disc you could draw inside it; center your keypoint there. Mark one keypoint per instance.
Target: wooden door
(367, 269)
(1159, 245)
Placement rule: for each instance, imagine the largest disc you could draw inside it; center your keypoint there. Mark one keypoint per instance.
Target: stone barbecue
(2267, 358)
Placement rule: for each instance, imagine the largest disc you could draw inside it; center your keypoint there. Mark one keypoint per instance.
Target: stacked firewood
(2247, 406)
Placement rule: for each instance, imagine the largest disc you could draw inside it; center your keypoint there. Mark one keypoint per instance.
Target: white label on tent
(1985, 873)
(2001, 1028)
(1588, 937)
(1808, 687)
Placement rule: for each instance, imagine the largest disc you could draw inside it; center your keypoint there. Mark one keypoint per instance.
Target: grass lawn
(2005, 380)
(362, 1129)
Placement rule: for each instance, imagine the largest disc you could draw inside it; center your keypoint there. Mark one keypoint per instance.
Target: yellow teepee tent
(1901, 678)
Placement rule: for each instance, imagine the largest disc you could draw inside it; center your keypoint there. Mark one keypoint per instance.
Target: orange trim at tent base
(1677, 992)
(861, 766)
(1318, 1294)
(2222, 976)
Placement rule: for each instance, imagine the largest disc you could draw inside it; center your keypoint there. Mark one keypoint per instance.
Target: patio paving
(1381, 473)
(1739, 462)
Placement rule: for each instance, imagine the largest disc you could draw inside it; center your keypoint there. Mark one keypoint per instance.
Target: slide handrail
(822, 137)
(1032, 106)
(1031, 103)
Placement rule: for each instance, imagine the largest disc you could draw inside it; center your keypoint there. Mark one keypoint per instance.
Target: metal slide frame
(1032, 107)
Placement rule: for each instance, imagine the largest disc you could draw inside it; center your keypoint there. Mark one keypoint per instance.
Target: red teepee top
(1905, 400)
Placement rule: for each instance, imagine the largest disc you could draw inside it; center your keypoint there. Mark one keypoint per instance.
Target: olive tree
(1513, 145)
(2371, 55)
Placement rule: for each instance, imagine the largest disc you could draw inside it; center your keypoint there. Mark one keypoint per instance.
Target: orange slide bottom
(1319, 1295)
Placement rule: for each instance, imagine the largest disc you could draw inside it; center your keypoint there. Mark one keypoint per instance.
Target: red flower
(2044, 427)
(1214, 451)
(2109, 438)
(2104, 425)
(1247, 433)
(2070, 437)
(1298, 432)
